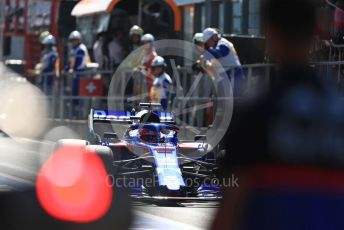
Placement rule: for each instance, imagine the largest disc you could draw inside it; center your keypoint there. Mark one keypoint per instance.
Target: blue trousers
(238, 75)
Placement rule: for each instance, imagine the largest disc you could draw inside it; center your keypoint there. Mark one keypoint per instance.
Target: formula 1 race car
(150, 159)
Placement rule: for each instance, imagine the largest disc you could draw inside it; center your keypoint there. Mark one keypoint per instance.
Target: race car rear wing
(150, 105)
(106, 116)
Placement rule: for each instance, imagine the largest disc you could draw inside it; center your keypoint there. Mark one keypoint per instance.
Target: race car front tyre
(70, 142)
(105, 154)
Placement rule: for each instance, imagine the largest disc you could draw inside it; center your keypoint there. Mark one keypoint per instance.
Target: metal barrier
(329, 57)
(257, 78)
(337, 56)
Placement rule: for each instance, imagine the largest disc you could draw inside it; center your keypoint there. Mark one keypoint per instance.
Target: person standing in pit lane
(135, 35)
(78, 60)
(48, 65)
(144, 68)
(98, 50)
(205, 86)
(224, 52)
(161, 90)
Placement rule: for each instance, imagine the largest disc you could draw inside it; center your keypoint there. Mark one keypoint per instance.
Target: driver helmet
(149, 134)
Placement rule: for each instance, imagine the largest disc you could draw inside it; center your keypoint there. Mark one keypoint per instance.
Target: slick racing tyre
(105, 154)
(70, 142)
(221, 155)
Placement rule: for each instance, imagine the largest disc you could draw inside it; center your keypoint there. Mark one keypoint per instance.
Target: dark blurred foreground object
(287, 146)
(21, 210)
(17, 66)
(339, 23)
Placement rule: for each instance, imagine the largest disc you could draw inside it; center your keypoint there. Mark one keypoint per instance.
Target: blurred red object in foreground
(71, 185)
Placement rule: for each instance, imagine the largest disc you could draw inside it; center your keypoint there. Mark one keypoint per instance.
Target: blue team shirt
(80, 54)
(48, 61)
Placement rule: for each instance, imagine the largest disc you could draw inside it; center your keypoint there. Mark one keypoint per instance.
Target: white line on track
(6, 188)
(176, 224)
(17, 179)
(27, 140)
(17, 168)
(142, 229)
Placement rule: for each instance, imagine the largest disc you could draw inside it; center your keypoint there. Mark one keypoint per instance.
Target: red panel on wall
(32, 51)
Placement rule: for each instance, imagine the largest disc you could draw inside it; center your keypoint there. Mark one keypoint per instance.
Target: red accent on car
(164, 150)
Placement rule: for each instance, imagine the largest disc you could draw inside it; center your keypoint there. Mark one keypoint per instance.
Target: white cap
(75, 35)
(198, 38)
(49, 40)
(208, 33)
(147, 38)
(158, 61)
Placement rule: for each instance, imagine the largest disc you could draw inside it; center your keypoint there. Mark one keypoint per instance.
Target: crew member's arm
(50, 64)
(208, 67)
(79, 58)
(153, 94)
(71, 64)
(57, 66)
(219, 51)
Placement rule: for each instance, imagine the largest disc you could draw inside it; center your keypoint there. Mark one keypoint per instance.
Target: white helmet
(198, 38)
(147, 38)
(49, 40)
(75, 35)
(208, 33)
(136, 30)
(43, 35)
(158, 61)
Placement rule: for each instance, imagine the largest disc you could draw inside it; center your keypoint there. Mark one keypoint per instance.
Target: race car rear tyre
(70, 142)
(221, 155)
(105, 154)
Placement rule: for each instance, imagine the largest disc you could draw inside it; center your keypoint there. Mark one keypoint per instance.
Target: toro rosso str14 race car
(149, 158)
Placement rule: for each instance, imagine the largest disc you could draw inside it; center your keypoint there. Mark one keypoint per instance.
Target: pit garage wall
(237, 20)
(14, 48)
(240, 17)
(26, 19)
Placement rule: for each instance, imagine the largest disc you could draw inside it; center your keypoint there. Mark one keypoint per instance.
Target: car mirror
(200, 138)
(109, 135)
